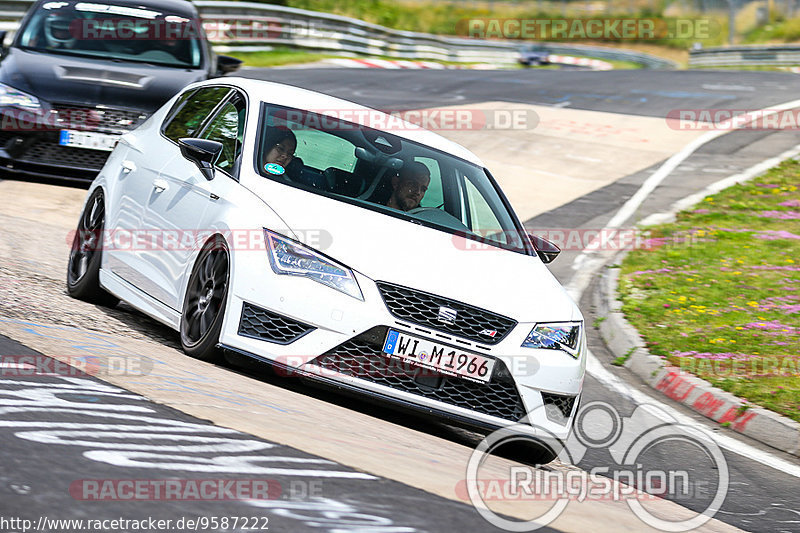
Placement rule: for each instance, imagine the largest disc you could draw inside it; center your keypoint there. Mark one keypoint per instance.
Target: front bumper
(29, 143)
(339, 343)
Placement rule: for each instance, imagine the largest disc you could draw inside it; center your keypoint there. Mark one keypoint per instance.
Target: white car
(334, 262)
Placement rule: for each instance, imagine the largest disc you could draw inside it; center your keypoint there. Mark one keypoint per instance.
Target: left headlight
(564, 336)
(10, 96)
(292, 258)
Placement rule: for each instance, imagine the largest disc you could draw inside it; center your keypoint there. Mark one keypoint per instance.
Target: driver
(409, 186)
(57, 30)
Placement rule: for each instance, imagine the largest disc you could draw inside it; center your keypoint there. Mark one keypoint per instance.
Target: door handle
(128, 166)
(160, 185)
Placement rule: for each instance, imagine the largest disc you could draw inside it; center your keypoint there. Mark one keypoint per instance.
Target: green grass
(446, 18)
(622, 359)
(617, 64)
(718, 291)
(287, 56)
(277, 57)
(782, 31)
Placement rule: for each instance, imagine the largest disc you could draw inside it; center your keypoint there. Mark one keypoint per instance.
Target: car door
(182, 198)
(142, 157)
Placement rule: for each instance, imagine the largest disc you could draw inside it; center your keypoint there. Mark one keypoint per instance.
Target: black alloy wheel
(204, 305)
(83, 267)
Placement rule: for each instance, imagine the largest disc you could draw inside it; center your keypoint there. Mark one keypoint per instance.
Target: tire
(529, 451)
(83, 267)
(204, 304)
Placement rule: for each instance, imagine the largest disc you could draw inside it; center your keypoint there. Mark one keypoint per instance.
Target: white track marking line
(633, 203)
(587, 266)
(584, 266)
(717, 186)
(596, 369)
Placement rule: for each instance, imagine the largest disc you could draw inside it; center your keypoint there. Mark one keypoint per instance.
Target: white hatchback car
(280, 224)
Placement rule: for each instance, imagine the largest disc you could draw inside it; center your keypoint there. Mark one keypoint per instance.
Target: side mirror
(202, 152)
(546, 250)
(227, 64)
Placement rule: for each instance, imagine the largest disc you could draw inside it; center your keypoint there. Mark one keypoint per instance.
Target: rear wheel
(83, 268)
(204, 304)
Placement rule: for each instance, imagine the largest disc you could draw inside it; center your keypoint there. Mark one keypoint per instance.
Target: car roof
(290, 96)
(174, 7)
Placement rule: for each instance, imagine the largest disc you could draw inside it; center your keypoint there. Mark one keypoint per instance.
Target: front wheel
(83, 267)
(204, 304)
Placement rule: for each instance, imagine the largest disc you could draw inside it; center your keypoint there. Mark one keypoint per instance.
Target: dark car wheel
(204, 305)
(83, 268)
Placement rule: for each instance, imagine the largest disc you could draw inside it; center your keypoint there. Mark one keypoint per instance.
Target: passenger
(409, 186)
(280, 145)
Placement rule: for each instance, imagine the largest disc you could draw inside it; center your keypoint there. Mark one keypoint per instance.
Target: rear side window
(187, 121)
(320, 150)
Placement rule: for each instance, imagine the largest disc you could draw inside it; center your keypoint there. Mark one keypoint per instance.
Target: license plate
(445, 359)
(88, 139)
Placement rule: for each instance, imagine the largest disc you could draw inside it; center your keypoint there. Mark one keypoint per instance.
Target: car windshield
(115, 32)
(382, 172)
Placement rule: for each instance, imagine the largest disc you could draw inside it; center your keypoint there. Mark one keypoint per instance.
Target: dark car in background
(533, 55)
(78, 75)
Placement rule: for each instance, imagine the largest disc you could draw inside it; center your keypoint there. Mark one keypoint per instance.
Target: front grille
(423, 308)
(5, 136)
(50, 153)
(266, 325)
(361, 357)
(108, 120)
(558, 407)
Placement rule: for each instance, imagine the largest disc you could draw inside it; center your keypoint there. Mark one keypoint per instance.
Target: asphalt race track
(339, 463)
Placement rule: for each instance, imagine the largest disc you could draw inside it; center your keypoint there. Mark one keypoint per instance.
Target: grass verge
(717, 292)
(277, 57)
(287, 56)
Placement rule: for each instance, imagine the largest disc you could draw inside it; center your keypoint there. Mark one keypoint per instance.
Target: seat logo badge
(447, 315)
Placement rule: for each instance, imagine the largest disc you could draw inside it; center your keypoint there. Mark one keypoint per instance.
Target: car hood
(390, 249)
(79, 80)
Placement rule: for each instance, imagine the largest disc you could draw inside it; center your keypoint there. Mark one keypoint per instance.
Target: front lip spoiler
(352, 390)
(16, 172)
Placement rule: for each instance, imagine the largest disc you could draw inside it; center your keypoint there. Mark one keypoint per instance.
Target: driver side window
(227, 127)
(193, 112)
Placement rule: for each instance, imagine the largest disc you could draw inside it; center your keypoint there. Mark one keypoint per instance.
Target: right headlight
(288, 257)
(10, 96)
(563, 336)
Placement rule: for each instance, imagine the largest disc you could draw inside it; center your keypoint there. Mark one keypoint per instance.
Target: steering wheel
(418, 210)
(437, 216)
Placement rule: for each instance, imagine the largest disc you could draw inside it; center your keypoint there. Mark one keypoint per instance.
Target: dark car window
(371, 168)
(187, 121)
(111, 31)
(227, 127)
